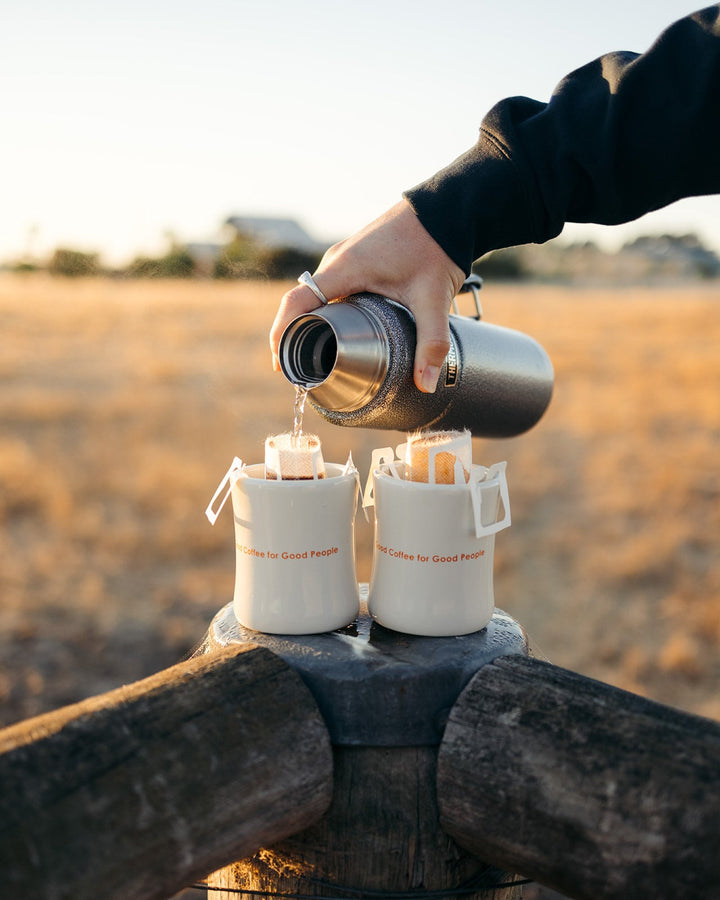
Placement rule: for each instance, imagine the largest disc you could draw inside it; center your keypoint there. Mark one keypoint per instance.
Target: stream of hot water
(298, 415)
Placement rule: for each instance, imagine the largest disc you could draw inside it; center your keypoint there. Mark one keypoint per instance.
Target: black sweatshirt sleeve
(621, 136)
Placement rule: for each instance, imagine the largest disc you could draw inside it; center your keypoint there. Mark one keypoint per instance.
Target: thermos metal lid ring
(340, 353)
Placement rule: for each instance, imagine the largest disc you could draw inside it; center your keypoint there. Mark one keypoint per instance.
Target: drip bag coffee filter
(437, 457)
(290, 457)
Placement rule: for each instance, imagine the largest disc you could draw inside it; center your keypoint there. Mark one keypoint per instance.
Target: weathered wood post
(138, 792)
(591, 790)
(385, 698)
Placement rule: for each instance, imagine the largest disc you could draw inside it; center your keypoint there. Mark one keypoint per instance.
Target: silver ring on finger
(307, 279)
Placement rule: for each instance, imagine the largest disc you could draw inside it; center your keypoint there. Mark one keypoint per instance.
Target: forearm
(621, 136)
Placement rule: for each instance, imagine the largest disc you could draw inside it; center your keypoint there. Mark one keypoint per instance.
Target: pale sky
(123, 120)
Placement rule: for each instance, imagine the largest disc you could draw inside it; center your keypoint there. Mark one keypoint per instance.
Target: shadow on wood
(381, 835)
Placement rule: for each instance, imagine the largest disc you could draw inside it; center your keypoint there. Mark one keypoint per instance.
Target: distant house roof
(276, 232)
(204, 250)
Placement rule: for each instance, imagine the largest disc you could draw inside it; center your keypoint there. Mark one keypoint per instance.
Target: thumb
(433, 343)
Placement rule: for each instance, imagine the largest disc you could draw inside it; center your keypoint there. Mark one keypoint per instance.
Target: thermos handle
(472, 284)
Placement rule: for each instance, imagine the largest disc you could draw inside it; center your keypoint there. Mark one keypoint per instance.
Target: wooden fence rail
(591, 790)
(134, 794)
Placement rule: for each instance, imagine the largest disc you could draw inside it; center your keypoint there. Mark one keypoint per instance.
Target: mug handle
(479, 475)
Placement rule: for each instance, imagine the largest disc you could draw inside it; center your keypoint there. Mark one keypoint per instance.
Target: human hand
(393, 256)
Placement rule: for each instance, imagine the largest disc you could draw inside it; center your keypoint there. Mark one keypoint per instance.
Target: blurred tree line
(645, 259)
(239, 258)
(245, 258)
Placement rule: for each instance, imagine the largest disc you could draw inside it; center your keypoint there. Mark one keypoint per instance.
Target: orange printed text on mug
(318, 554)
(397, 553)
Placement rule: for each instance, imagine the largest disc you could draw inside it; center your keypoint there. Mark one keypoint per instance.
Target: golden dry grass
(123, 403)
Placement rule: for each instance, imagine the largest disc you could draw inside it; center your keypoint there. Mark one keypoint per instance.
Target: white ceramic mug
(295, 551)
(433, 557)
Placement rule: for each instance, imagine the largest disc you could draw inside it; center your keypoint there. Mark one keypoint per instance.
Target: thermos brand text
(451, 363)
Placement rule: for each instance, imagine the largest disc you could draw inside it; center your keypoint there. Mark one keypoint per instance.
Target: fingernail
(429, 378)
(275, 363)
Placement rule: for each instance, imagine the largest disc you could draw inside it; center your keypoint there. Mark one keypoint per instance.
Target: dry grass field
(122, 403)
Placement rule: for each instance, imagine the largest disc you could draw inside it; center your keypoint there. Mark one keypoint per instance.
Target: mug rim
(385, 474)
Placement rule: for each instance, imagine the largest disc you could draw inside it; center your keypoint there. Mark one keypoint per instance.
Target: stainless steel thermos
(355, 358)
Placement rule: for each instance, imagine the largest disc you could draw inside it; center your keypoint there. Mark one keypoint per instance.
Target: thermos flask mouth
(311, 353)
(339, 354)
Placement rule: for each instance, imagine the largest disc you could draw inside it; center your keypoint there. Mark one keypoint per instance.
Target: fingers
(433, 343)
